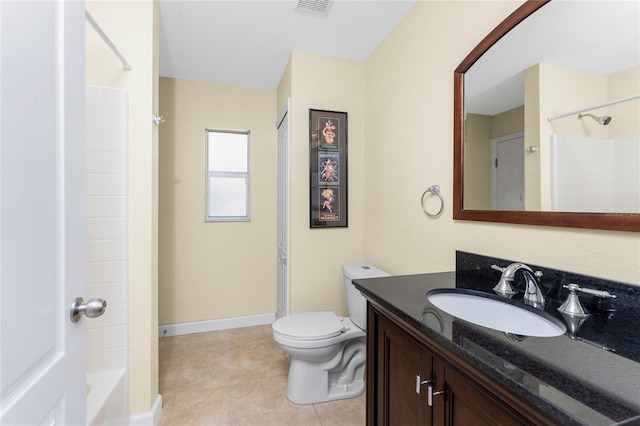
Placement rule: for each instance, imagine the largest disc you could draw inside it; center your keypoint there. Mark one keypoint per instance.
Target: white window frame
(227, 174)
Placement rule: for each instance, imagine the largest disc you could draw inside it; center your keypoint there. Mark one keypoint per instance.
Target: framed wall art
(328, 168)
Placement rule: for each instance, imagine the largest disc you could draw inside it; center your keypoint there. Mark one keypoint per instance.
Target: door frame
(284, 209)
(494, 158)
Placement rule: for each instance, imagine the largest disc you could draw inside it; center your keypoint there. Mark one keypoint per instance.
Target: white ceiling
(248, 42)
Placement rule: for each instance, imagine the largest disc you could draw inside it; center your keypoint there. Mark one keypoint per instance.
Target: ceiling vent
(315, 6)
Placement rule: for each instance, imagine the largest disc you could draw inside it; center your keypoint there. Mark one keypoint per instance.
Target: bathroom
(418, 158)
(384, 208)
(407, 78)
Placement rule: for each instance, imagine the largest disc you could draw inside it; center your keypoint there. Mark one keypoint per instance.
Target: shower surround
(107, 255)
(595, 175)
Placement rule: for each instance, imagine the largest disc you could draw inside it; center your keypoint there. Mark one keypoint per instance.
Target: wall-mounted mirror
(547, 118)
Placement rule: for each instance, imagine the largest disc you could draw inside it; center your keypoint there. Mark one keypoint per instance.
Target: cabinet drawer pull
(420, 382)
(431, 394)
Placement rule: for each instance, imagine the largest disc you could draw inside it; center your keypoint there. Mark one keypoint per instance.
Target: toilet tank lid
(310, 325)
(362, 270)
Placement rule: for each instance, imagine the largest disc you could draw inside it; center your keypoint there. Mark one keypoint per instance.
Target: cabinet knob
(431, 394)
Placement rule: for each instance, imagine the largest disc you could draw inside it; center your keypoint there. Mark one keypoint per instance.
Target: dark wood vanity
(400, 361)
(426, 367)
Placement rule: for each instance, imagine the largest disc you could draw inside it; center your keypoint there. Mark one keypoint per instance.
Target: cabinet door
(467, 404)
(399, 401)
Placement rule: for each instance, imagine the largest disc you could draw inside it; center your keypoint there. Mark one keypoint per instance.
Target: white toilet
(327, 352)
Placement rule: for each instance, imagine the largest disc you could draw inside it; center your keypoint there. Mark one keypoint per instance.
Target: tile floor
(238, 378)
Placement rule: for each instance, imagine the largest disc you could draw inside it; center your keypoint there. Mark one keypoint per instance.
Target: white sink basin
(496, 313)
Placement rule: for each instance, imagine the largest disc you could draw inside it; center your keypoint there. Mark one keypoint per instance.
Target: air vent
(315, 6)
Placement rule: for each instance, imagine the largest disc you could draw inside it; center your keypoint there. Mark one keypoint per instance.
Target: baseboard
(167, 330)
(151, 418)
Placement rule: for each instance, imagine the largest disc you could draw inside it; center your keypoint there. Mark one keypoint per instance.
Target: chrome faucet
(532, 294)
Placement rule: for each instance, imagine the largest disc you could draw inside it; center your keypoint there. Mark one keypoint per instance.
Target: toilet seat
(310, 326)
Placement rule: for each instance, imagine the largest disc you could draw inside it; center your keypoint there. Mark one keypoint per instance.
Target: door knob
(92, 309)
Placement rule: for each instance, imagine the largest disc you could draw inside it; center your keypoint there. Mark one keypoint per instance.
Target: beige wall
(283, 91)
(320, 82)
(132, 26)
(409, 90)
(217, 269)
(532, 130)
(508, 122)
(203, 266)
(563, 90)
(625, 115)
(477, 162)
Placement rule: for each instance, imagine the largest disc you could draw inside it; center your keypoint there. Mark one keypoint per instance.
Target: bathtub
(107, 398)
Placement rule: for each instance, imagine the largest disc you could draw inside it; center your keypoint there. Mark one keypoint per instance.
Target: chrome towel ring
(433, 189)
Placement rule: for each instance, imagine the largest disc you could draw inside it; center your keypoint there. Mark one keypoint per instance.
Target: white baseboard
(167, 330)
(151, 418)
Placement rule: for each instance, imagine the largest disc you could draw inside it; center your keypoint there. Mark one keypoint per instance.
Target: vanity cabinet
(488, 377)
(411, 381)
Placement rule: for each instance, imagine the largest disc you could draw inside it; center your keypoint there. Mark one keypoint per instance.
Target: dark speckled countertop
(590, 378)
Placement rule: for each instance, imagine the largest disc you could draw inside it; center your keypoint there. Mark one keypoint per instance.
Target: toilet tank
(356, 303)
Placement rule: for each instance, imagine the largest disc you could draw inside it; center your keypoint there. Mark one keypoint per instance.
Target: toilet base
(339, 378)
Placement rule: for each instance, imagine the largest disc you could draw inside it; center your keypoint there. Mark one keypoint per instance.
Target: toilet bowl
(327, 352)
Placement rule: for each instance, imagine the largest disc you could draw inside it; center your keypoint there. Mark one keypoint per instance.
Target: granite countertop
(584, 380)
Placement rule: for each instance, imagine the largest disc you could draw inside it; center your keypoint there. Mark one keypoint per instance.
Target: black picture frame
(328, 189)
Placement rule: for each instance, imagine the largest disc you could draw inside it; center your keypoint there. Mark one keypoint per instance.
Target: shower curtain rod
(617, 101)
(94, 24)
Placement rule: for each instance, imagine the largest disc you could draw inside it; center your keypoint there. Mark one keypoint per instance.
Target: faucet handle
(498, 268)
(572, 305)
(598, 293)
(504, 285)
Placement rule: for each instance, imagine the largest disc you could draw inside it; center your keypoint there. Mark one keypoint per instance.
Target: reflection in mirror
(550, 119)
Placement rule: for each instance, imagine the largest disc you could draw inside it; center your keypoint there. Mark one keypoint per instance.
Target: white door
(508, 172)
(42, 155)
(283, 212)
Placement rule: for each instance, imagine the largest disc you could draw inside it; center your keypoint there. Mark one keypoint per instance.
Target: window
(227, 176)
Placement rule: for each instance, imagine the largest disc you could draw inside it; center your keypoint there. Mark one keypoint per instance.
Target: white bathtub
(107, 398)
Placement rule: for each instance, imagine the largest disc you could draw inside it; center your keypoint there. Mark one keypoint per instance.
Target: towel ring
(434, 189)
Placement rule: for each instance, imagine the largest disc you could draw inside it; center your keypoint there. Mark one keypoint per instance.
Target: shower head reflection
(604, 120)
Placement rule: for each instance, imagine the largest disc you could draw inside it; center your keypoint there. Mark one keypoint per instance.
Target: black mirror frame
(609, 221)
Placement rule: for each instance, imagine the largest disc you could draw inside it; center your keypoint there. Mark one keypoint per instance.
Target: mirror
(522, 90)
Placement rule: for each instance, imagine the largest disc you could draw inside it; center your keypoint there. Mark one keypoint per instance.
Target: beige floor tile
(195, 407)
(238, 378)
(263, 402)
(345, 412)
